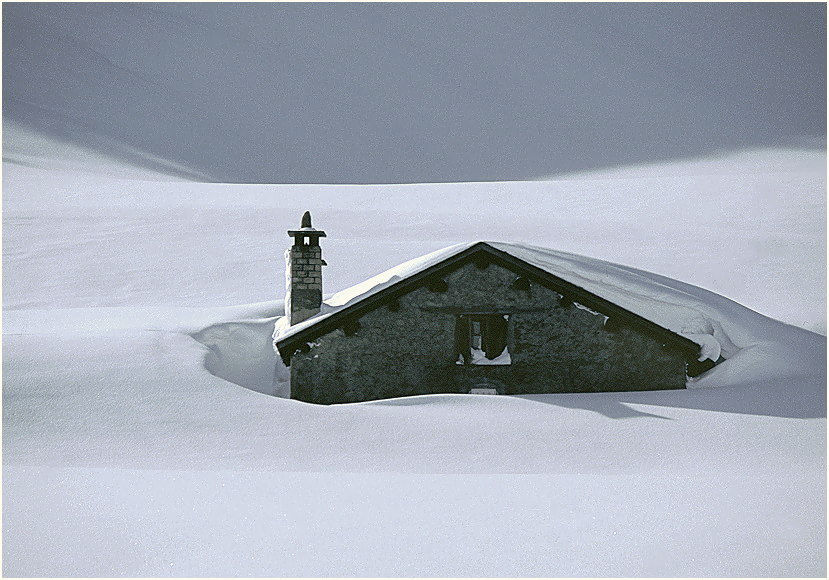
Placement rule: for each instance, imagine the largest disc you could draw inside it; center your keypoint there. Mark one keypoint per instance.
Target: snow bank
(254, 523)
(750, 227)
(124, 456)
(242, 352)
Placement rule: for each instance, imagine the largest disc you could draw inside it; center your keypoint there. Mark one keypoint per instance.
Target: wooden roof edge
(288, 345)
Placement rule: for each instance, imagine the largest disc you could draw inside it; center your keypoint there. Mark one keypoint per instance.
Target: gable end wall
(412, 350)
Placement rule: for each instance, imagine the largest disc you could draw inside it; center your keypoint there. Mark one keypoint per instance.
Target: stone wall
(409, 348)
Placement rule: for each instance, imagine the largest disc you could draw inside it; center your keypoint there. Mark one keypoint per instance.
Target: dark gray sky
(383, 93)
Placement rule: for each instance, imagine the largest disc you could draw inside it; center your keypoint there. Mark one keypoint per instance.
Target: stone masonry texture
(305, 282)
(411, 349)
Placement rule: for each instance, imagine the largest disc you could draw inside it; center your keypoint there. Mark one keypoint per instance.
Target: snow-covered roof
(373, 285)
(678, 307)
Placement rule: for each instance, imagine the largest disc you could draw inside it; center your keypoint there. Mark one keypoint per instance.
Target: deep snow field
(141, 437)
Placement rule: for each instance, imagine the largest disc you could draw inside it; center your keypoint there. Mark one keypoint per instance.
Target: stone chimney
(303, 272)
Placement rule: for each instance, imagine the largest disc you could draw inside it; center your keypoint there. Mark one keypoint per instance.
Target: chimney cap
(305, 228)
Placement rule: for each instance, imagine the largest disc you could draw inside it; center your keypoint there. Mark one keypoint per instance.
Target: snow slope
(329, 93)
(749, 226)
(135, 442)
(123, 456)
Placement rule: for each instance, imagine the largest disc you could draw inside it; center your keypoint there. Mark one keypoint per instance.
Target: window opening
(482, 339)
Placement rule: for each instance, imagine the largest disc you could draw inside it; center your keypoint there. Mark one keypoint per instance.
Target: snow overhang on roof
(651, 302)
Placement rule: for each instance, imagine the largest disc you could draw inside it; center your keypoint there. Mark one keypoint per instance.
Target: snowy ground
(127, 303)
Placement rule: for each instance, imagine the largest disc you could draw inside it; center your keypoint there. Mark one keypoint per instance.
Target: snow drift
(129, 448)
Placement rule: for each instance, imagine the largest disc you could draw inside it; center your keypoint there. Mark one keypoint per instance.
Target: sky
(400, 93)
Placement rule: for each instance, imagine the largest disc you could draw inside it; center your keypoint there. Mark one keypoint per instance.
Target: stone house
(485, 317)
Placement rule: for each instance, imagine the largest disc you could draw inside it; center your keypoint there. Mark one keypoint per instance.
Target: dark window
(481, 338)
